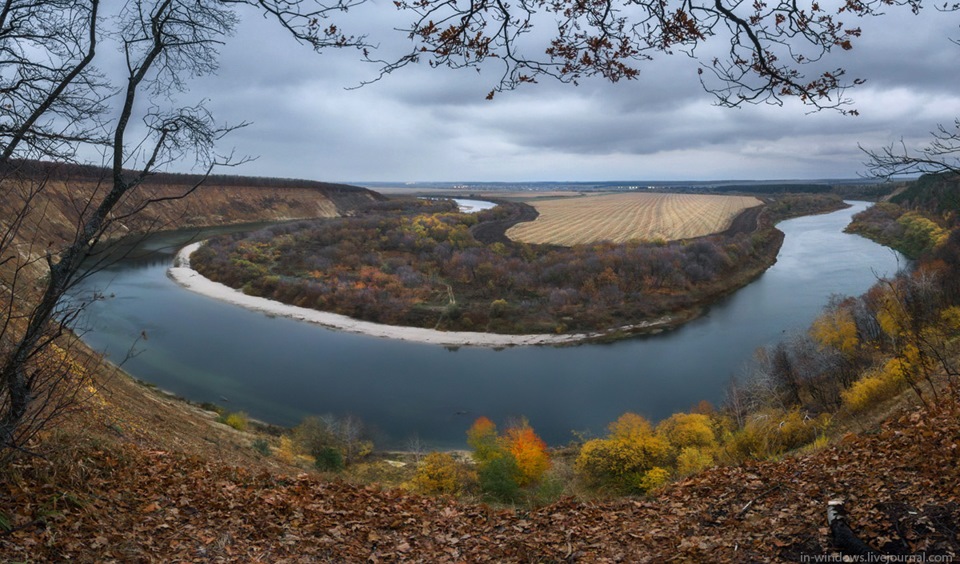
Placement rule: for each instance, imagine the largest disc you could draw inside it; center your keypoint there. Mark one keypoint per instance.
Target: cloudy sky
(423, 124)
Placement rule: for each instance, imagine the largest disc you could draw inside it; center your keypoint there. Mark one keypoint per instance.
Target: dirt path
(496, 231)
(746, 222)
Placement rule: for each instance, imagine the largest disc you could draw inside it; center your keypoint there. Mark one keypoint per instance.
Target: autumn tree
(57, 105)
(529, 450)
(508, 463)
(482, 438)
(921, 325)
(844, 338)
(835, 328)
(804, 369)
(693, 441)
(439, 473)
(632, 458)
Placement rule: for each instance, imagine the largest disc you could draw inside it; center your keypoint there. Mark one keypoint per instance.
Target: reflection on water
(281, 370)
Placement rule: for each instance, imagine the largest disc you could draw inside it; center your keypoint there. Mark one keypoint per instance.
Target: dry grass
(623, 217)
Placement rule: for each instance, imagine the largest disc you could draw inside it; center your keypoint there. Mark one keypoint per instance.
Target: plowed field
(623, 217)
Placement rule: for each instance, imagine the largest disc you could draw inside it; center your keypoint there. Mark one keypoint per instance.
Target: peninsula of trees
(422, 263)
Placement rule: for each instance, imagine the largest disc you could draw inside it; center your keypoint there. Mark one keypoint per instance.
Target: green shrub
(261, 446)
(549, 490)
(314, 435)
(328, 459)
(499, 479)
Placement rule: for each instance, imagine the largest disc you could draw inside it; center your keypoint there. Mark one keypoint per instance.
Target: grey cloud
(433, 124)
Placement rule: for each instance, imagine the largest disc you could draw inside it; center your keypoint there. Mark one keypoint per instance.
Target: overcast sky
(423, 124)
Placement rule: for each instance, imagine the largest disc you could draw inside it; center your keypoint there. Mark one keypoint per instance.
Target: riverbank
(185, 276)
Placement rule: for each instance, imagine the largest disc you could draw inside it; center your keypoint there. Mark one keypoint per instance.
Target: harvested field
(623, 217)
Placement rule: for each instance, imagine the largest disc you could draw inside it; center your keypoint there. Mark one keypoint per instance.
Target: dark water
(281, 370)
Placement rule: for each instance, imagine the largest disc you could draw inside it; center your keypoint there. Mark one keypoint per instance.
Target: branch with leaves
(774, 51)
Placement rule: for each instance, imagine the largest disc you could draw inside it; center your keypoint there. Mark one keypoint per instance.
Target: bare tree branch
(941, 155)
(53, 102)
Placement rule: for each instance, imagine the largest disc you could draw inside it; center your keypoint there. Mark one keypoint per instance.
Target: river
(280, 370)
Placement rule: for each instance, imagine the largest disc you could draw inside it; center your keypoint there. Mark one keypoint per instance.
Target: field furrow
(629, 216)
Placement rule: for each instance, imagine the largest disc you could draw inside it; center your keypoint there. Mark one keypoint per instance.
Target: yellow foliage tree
(287, 451)
(920, 233)
(836, 328)
(482, 437)
(891, 315)
(630, 425)
(438, 474)
(623, 459)
(653, 479)
(688, 430)
(692, 460)
(950, 318)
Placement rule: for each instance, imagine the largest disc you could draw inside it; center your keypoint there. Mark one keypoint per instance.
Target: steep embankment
(55, 197)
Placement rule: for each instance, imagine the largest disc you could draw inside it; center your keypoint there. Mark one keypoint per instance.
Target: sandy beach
(181, 273)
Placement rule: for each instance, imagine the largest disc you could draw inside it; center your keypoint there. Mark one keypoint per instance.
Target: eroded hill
(57, 195)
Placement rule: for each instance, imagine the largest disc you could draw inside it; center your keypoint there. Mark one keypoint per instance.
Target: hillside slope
(935, 194)
(123, 489)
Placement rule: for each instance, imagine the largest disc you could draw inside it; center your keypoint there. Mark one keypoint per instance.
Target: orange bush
(529, 451)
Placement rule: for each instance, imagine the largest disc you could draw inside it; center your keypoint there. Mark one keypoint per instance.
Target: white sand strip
(181, 273)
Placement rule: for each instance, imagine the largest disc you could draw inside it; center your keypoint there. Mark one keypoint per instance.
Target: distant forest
(855, 189)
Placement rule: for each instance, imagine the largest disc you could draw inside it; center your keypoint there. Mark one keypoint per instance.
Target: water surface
(280, 370)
